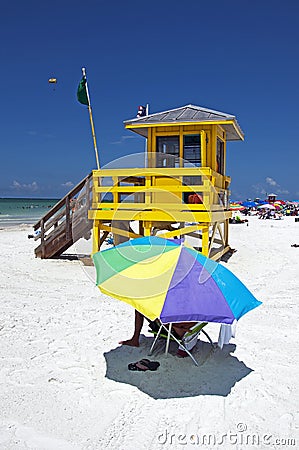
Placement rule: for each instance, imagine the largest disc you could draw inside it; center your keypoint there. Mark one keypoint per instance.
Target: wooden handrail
(62, 202)
(66, 222)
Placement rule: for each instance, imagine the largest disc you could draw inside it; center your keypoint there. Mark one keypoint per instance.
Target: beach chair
(167, 333)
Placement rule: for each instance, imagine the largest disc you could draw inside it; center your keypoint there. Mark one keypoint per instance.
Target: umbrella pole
(155, 340)
(179, 342)
(167, 343)
(168, 338)
(209, 339)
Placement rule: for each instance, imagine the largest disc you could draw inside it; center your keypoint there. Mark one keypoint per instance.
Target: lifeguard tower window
(220, 157)
(192, 152)
(192, 157)
(168, 151)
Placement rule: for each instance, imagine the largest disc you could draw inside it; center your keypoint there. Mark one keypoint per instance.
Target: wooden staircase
(66, 222)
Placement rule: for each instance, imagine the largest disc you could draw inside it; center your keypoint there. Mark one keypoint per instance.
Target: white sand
(64, 382)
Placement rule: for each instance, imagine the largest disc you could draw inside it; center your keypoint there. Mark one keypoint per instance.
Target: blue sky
(239, 57)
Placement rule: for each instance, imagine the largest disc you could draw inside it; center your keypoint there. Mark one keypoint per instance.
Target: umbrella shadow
(217, 373)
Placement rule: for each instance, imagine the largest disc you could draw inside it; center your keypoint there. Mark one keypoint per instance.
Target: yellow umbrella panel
(144, 283)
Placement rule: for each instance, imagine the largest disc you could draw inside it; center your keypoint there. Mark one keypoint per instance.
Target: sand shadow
(217, 373)
(67, 257)
(84, 258)
(228, 255)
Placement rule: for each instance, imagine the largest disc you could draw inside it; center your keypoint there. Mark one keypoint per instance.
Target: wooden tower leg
(205, 241)
(141, 228)
(226, 228)
(96, 236)
(147, 227)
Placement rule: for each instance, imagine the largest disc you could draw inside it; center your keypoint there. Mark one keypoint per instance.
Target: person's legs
(183, 327)
(178, 328)
(134, 341)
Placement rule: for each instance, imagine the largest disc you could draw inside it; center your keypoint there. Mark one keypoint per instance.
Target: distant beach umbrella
(236, 207)
(262, 202)
(266, 206)
(249, 204)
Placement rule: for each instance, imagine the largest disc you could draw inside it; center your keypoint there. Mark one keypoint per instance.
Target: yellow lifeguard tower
(182, 188)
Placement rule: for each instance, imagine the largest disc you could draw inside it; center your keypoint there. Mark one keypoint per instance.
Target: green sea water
(17, 211)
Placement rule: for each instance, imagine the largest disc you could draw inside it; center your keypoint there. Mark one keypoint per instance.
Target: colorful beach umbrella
(248, 204)
(281, 202)
(266, 206)
(235, 207)
(167, 279)
(278, 206)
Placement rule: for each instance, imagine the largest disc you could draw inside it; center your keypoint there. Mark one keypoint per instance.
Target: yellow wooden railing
(158, 194)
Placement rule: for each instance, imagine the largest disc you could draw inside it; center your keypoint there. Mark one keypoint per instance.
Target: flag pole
(146, 152)
(91, 120)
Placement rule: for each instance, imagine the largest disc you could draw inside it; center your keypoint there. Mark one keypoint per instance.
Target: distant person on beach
(35, 234)
(73, 204)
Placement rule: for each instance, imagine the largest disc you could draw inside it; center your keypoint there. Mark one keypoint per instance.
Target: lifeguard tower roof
(189, 114)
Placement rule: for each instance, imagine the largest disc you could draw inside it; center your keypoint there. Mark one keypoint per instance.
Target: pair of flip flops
(143, 365)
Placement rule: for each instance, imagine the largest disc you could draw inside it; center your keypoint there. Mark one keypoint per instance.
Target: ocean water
(17, 211)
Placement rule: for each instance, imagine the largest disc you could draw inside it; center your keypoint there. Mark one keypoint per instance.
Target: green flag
(81, 92)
